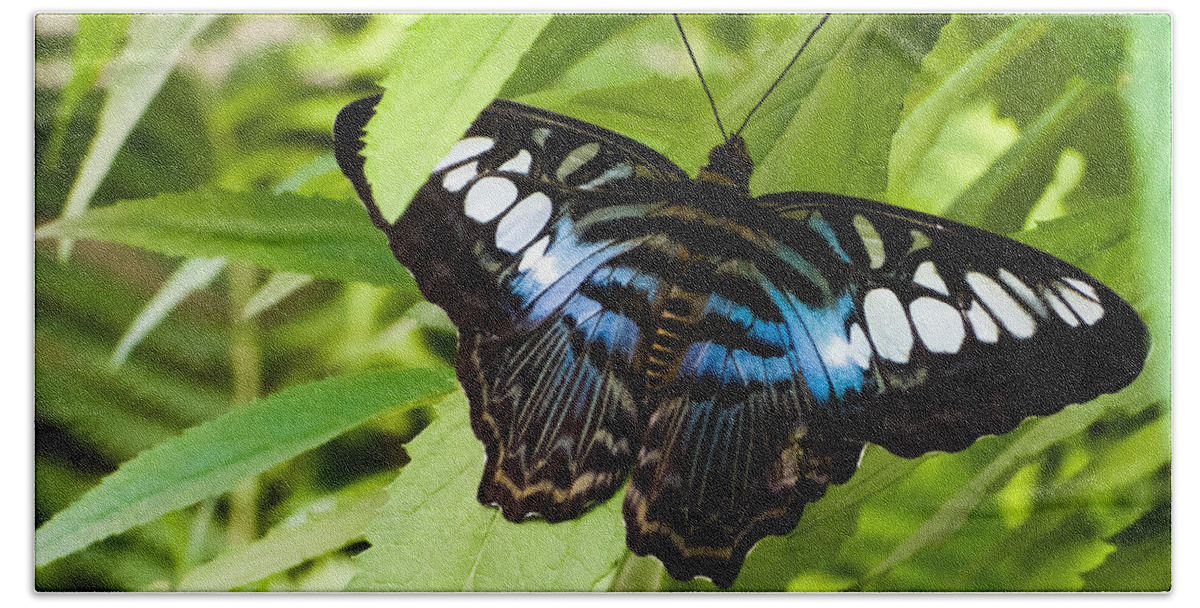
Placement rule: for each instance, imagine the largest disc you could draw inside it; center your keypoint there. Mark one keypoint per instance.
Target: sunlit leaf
(433, 535)
(447, 69)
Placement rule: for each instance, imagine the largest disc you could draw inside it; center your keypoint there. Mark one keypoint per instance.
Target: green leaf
(1142, 561)
(840, 137)
(977, 205)
(287, 232)
(563, 43)
(433, 535)
(98, 39)
(449, 67)
(215, 456)
(331, 524)
(191, 276)
(276, 289)
(953, 513)
(920, 128)
(154, 45)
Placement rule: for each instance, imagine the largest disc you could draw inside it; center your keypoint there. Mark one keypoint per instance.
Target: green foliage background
(236, 387)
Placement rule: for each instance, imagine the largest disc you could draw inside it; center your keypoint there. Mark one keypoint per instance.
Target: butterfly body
(730, 355)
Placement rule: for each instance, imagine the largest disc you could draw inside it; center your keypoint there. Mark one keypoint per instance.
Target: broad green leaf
(215, 456)
(840, 137)
(191, 276)
(920, 128)
(154, 43)
(332, 524)
(564, 41)
(977, 205)
(285, 232)
(433, 535)
(449, 67)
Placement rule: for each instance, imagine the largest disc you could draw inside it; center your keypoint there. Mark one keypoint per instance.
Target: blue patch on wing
(815, 341)
(818, 224)
(548, 281)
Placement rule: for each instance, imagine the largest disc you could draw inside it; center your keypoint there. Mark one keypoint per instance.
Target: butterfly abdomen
(674, 326)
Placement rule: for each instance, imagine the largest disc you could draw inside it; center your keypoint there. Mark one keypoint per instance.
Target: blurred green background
(200, 264)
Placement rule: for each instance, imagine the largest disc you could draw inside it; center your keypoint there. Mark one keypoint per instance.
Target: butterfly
(728, 355)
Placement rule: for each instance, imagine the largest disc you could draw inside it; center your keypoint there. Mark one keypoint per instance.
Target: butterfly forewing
(966, 333)
(734, 354)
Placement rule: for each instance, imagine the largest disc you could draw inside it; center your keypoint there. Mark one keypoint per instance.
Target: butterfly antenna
(781, 74)
(704, 84)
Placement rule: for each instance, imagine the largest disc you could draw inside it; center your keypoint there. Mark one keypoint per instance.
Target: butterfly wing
(822, 322)
(726, 462)
(496, 199)
(951, 332)
(513, 236)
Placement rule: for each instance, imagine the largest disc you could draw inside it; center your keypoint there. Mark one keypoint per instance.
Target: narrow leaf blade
(214, 456)
(288, 232)
(154, 45)
(193, 275)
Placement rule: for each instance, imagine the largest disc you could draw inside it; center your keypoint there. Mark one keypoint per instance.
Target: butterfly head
(729, 164)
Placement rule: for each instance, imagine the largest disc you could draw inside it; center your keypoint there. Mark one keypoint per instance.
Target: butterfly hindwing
(725, 462)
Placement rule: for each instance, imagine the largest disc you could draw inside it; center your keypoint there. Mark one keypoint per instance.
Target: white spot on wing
(839, 351)
(1083, 288)
(1023, 291)
(1015, 319)
(939, 325)
(523, 222)
(488, 198)
(888, 325)
(540, 135)
(982, 324)
(927, 276)
(870, 239)
(860, 348)
(576, 159)
(518, 164)
(1087, 309)
(1059, 307)
(454, 180)
(533, 254)
(465, 148)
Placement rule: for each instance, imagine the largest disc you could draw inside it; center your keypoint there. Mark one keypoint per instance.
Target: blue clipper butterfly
(729, 355)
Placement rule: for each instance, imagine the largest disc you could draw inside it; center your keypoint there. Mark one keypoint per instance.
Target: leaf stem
(245, 360)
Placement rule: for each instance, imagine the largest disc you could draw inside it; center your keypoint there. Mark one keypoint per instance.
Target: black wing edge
(348, 130)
